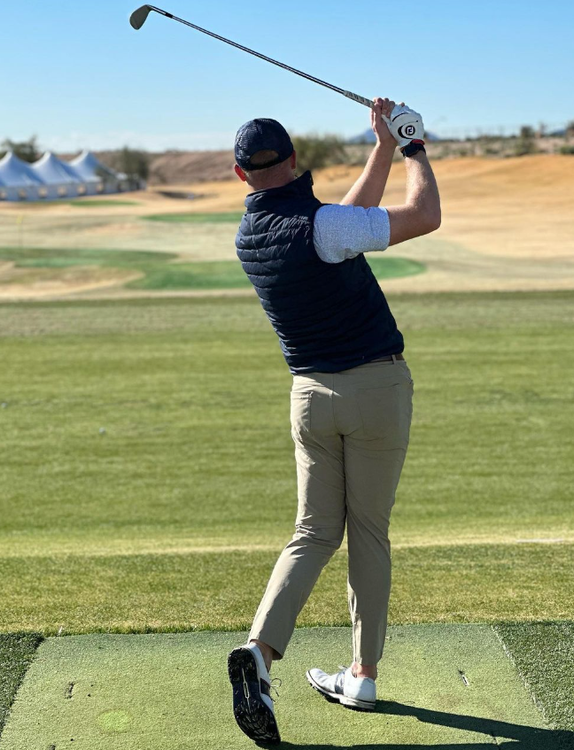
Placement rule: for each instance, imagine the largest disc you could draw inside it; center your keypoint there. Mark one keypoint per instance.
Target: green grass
(159, 272)
(149, 691)
(391, 267)
(99, 202)
(60, 258)
(190, 454)
(222, 274)
(193, 398)
(16, 654)
(544, 655)
(229, 217)
(230, 275)
(220, 590)
(149, 451)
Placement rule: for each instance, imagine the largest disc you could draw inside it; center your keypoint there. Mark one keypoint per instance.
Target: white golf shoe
(252, 704)
(359, 693)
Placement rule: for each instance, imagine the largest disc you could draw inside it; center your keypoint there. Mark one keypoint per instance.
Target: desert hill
(177, 167)
(520, 207)
(185, 167)
(516, 207)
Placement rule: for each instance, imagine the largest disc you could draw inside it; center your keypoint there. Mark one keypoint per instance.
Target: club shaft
(349, 94)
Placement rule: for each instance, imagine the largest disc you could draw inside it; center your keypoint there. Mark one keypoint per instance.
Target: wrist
(413, 148)
(420, 158)
(387, 145)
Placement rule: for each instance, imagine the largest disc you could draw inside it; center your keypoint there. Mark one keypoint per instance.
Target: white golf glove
(405, 125)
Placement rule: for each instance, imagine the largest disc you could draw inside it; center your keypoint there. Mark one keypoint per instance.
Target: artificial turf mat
(440, 686)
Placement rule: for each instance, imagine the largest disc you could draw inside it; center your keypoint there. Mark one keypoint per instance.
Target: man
(351, 401)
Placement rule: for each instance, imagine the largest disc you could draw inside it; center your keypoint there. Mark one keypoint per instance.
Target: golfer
(351, 400)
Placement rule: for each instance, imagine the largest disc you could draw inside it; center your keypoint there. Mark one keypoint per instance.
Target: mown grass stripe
(90, 547)
(221, 591)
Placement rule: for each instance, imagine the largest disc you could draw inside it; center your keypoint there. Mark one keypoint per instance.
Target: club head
(139, 16)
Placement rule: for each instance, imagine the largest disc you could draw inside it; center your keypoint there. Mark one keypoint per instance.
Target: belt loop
(394, 356)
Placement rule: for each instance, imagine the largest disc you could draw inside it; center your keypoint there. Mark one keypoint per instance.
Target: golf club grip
(360, 99)
(349, 94)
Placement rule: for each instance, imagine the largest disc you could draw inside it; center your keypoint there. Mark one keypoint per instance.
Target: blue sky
(77, 75)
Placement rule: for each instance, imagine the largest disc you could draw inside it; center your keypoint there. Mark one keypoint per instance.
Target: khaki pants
(351, 432)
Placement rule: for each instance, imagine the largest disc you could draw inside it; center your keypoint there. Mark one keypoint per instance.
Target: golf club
(139, 17)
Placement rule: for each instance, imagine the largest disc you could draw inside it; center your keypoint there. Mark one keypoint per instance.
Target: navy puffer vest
(328, 316)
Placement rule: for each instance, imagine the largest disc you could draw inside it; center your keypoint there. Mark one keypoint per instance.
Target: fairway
(441, 686)
(101, 202)
(233, 217)
(152, 271)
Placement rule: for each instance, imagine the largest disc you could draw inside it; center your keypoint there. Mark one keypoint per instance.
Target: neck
(273, 182)
(300, 188)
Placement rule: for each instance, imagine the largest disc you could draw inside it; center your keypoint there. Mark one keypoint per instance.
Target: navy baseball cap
(261, 134)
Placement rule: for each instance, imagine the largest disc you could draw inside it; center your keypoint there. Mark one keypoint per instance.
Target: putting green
(446, 686)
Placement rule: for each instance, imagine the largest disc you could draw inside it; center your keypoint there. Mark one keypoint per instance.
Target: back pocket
(386, 414)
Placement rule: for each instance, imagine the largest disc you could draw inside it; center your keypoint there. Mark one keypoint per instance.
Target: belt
(389, 358)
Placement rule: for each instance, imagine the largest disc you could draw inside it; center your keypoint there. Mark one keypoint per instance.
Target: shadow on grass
(519, 737)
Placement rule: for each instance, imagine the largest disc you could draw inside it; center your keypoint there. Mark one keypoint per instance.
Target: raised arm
(358, 226)
(369, 188)
(420, 213)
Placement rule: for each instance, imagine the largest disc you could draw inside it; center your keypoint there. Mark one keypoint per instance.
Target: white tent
(51, 178)
(19, 180)
(96, 176)
(60, 179)
(3, 191)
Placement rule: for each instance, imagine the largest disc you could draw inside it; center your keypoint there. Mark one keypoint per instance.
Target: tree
(315, 152)
(526, 142)
(26, 150)
(134, 163)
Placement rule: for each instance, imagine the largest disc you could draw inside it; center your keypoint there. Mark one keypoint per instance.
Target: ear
(240, 173)
(294, 160)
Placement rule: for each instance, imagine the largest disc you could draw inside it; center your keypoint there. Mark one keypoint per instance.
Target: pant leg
(374, 455)
(320, 522)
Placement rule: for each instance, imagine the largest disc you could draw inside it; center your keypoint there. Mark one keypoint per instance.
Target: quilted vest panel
(329, 317)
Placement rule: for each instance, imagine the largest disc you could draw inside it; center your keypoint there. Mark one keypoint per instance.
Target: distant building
(51, 178)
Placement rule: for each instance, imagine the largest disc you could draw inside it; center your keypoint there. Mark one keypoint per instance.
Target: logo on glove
(407, 131)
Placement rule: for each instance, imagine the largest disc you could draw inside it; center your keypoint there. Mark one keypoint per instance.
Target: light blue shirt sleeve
(343, 232)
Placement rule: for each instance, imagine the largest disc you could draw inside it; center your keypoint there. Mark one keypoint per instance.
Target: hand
(382, 110)
(405, 125)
